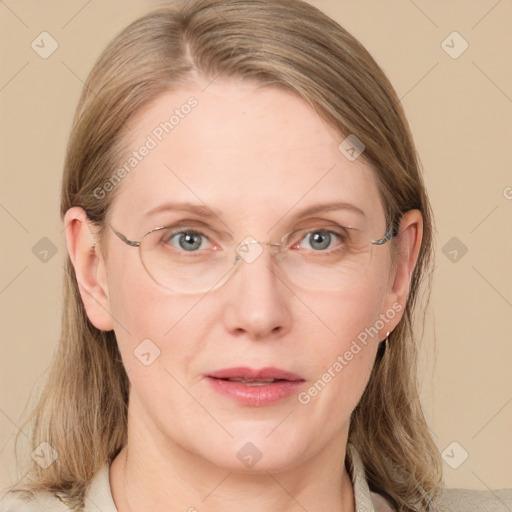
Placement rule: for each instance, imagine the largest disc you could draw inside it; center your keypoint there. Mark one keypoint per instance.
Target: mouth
(255, 388)
(255, 382)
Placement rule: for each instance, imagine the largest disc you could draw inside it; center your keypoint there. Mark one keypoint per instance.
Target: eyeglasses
(183, 259)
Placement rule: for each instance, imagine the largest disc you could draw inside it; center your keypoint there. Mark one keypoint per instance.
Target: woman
(248, 231)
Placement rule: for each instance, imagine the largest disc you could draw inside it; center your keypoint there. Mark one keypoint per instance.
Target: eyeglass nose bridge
(243, 251)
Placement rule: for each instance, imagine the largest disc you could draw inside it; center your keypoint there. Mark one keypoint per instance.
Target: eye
(319, 240)
(190, 241)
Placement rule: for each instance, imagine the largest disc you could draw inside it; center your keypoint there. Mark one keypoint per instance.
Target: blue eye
(189, 241)
(319, 240)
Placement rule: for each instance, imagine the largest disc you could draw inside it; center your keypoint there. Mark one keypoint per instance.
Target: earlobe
(89, 266)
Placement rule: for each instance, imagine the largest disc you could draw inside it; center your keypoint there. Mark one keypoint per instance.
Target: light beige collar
(366, 500)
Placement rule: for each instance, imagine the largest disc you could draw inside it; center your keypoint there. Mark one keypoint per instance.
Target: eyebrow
(199, 209)
(328, 207)
(210, 213)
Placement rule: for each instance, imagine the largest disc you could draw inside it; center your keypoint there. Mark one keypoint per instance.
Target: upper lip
(255, 374)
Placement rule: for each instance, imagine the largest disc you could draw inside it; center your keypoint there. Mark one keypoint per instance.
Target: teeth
(253, 382)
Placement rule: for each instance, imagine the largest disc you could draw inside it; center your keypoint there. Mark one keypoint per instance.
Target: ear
(89, 265)
(408, 244)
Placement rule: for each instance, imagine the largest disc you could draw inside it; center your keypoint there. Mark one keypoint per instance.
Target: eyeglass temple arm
(127, 241)
(393, 231)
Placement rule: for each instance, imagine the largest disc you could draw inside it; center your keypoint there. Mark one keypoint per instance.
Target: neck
(153, 473)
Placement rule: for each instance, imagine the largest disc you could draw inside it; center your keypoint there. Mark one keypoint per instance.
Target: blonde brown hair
(82, 411)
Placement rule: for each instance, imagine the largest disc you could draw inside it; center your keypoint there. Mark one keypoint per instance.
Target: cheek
(344, 354)
(131, 293)
(161, 336)
(148, 320)
(351, 313)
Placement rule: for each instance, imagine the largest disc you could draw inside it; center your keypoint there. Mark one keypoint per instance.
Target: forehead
(238, 148)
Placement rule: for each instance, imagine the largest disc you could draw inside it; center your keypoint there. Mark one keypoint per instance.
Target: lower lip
(256, 396)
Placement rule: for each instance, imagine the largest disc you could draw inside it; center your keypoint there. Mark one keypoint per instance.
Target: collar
(366, 500)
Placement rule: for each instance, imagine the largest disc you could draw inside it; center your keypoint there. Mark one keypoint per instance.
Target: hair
(82, 410)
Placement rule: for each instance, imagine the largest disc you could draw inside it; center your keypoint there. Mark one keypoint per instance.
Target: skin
(260, 156)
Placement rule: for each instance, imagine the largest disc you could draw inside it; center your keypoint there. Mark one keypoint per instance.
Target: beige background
(460, 112)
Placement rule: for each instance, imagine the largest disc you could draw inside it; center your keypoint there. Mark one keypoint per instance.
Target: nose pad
(249, 250)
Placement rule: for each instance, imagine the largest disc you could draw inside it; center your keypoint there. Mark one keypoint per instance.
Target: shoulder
(465, 500)
(21, 501)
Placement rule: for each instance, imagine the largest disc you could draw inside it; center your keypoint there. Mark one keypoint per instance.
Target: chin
(255, 451)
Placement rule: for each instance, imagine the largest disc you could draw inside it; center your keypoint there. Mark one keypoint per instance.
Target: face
(258, 158)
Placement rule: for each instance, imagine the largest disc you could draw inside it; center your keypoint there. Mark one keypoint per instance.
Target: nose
(258, 300)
